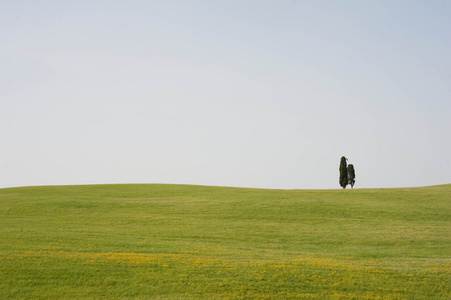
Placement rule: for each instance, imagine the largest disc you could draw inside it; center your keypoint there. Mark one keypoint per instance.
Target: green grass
(177, 241)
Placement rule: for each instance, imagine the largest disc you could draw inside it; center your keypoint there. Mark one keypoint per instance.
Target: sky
(262, 94)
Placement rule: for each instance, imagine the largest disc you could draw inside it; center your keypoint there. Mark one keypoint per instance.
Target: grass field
(176, 241)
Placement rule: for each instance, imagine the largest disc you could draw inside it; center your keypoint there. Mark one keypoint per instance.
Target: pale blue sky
(263, 94)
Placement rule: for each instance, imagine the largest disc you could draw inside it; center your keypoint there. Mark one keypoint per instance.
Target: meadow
(199, 242)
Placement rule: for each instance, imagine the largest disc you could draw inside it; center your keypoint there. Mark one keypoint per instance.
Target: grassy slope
(174, 241)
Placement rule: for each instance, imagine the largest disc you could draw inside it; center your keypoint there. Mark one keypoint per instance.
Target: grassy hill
(177, 241)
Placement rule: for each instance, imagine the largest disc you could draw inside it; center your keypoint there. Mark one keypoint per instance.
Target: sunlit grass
(174, 241)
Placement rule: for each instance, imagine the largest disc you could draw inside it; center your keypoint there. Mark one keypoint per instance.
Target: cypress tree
(351, 175)
(343, 173)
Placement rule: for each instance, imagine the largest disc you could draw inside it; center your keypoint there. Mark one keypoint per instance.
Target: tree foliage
(343, 172)
(351, 175)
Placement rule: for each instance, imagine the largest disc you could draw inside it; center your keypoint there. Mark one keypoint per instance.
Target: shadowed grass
(178, 241)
